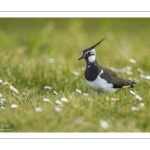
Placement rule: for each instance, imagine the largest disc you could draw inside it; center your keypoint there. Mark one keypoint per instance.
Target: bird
(100, 78)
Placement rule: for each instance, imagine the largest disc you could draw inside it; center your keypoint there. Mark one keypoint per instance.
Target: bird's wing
(117, 82)
(111, 77)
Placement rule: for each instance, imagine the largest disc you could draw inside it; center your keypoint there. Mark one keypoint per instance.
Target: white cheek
(93, 50)
(91, 58)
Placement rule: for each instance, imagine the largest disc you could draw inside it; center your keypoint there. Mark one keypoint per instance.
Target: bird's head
(89, 54)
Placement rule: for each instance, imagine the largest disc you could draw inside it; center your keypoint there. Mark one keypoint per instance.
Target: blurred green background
(28, 44)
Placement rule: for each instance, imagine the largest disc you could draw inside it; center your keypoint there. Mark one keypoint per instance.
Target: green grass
(25, 48)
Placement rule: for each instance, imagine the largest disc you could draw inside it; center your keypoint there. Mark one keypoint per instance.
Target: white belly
(100, 84)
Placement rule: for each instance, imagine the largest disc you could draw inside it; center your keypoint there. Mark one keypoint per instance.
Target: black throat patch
(92, 71)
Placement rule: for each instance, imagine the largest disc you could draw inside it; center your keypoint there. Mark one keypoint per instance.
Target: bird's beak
(81, 57)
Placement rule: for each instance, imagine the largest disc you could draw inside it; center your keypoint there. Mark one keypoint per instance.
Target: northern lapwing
(100, 78)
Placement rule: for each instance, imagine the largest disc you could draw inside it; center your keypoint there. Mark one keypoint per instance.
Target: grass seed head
(6, 83)
(135, 109)
(114, 99)
(47, 87)
(51, 60)
(14, 106)
(83, 68)
(133, 61)
(58, 102)
(85, 94)
(38, 109)
(63, 99)
(104, 124)
(142, 104)
(2, 107)
(78, 91)
(132, 92)
(140, 70)
(57, 109)
(139, 98)
(145, 77)
(46, 100)
(14, 89)
(75, 73)
(55, 93)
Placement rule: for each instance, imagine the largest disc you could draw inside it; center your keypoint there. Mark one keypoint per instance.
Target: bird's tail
(128, 83)
(132, 84)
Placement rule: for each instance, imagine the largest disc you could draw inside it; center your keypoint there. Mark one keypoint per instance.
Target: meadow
(42, 87)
